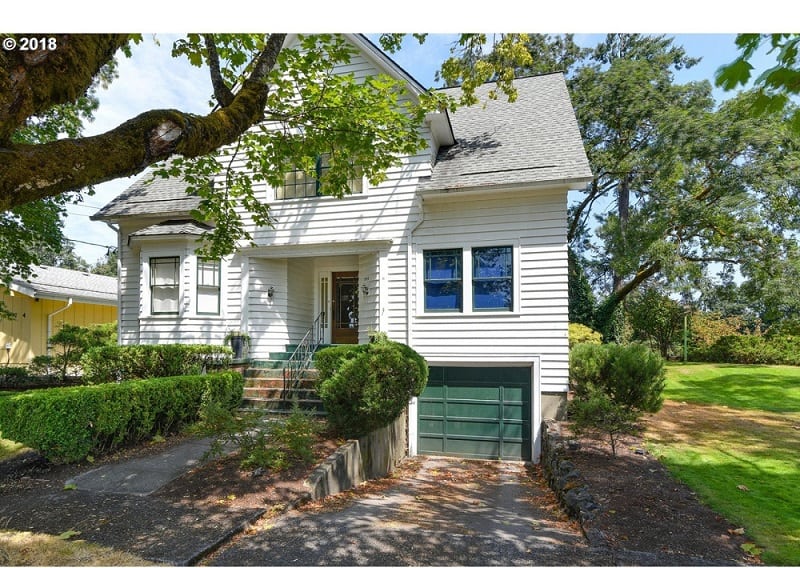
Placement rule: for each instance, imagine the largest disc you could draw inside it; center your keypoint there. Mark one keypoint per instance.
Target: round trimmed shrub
(366, 387)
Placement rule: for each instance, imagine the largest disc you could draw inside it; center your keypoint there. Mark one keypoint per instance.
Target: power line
(109, 247)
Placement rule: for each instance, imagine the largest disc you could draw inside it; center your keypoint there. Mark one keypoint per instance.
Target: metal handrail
(300, 359)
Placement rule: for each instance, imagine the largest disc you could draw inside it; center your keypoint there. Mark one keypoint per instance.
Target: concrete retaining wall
(370, 457)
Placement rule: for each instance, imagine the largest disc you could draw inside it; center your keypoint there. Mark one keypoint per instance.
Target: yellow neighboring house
(51, 297)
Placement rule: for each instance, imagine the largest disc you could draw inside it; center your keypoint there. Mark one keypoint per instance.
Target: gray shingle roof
(152, 196)
(530, 141)
(173, 227)
(61, 283)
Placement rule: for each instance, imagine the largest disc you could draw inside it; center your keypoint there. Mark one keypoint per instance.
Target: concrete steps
(264, 387)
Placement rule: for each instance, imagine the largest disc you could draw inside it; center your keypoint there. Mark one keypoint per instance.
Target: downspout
(413, 409)
(119, 272)
(409, 271)
(50, 321)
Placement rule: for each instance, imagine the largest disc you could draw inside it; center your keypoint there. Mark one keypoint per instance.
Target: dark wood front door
(345, 308)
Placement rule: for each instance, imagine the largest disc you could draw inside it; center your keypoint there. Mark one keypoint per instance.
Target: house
(50, 297)
(461, 253)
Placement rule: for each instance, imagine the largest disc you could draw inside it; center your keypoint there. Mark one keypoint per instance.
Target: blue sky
(153, 79)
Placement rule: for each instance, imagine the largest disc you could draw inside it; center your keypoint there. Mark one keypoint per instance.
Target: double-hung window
(164, 285)
(300, 183)
(443, 280)
(470, 280)
(208, 287)
(492, 279)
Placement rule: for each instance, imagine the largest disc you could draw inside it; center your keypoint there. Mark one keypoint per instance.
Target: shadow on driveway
(439, 511)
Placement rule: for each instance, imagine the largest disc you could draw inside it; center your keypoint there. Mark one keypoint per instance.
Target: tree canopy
(682, 184)
(47, 94)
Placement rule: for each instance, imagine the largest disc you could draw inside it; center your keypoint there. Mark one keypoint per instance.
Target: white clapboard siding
(267, 324)
(300, 311)
(535, 223)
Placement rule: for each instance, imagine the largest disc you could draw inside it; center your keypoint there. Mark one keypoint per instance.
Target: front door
(344, 327)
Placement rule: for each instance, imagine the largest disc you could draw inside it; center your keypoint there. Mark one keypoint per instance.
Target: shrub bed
(69, 424)
(365, 387)
(752, 350)
(15, 377)
(127, 362)
(612, 385)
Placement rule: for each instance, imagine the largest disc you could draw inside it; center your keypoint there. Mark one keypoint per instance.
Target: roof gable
(531, 141)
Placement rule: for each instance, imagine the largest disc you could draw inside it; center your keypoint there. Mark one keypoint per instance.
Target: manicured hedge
(15, 377)
(127, 362)
(70, 423)
(365, 387)
(752, 350)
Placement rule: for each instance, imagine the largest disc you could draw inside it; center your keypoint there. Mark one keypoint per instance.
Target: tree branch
(33, 81)
(222, 93)
(31, 172)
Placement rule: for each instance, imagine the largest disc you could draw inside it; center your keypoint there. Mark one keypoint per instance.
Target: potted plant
(238, 340)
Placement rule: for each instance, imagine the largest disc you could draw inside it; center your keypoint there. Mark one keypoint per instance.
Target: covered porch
(332, 290)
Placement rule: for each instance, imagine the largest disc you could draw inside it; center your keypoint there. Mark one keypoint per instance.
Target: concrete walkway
(143, 476)
(450, 512)
(113, 505)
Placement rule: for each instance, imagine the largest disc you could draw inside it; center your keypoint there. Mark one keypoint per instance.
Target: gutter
(50, 321)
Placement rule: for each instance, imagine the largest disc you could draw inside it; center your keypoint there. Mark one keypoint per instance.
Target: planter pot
(237, 344)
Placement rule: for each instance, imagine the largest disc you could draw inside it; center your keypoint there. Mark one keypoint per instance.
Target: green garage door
(476, 412)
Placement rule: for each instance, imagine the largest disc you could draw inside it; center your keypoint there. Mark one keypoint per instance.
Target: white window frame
(467, 309)
(198, 287)
(149, 284)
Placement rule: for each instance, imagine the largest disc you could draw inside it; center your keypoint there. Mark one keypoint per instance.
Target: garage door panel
(458, 410)
(473, 393)
(472, 448)
(516, 412)
(431, 426)
(473, 429)
(430, 407)
(430, 445)
(513, 432)
(479, 412)
(515, 394)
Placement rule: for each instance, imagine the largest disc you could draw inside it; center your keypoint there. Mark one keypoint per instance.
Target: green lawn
(750, 387)
(9, 449)
(737, 444)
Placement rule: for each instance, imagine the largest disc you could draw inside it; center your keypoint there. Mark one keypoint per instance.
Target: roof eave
(565, 183)
(81, 297)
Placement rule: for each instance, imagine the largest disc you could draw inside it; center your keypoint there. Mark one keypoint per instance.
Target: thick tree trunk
(60, 71)
(30, 172)
(623, 211)
(605, 312)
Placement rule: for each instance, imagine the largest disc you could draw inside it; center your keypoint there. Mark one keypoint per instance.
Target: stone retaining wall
(370, 457)
(566, 482)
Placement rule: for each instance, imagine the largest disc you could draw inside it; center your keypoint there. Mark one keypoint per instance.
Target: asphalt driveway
(439, 511)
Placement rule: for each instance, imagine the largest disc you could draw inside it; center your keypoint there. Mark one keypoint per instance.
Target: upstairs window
(208, 287)
(443, 280)
(164, 285)
(492, 279)
(299, 183)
